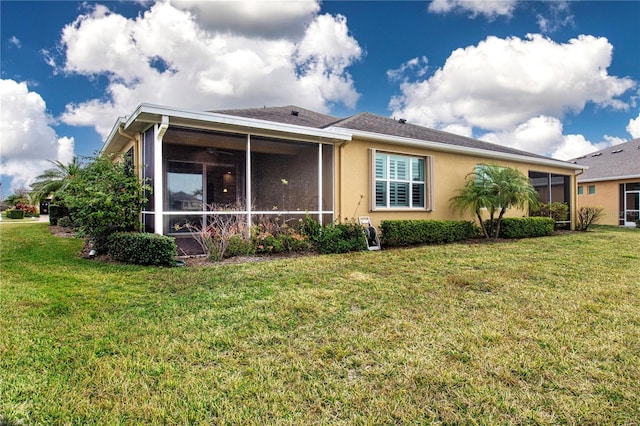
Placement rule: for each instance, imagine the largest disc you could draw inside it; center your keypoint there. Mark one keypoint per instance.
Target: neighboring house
(287, 162)
(612, 182)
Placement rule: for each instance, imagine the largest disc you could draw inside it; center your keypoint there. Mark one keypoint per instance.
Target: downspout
(125, 134)
(158, 191)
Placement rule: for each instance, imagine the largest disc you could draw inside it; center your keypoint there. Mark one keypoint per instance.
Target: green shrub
(65, 222)
(341, 238)
(238, 245)
(526, 227)
(311, 228)
(56, 212)
(142, 248)
(104, 198)
(285, 239)
(15, 214)
(397, 233)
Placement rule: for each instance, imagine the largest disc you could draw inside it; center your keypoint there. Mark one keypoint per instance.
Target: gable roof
(620, 161)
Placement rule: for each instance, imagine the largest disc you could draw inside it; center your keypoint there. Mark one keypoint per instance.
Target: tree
(54, 180)
(104, 198)
(494, 189)
(19, 196)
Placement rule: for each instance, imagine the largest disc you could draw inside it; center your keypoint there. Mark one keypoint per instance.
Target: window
(591, 189)
(400, 181)
(580, 189)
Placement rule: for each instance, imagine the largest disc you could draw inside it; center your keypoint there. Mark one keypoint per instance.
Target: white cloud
(175, 57)
(574, 146)
(253, 18)
(559, 16)
(416, 67)
(488, 8)
(28, 140)
(539, 135)
(516, 90)
(501, 83)
(634, 127)
(15, 41)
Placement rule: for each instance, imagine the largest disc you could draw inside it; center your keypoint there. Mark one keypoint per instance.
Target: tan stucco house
(612, 182)
(289, 162)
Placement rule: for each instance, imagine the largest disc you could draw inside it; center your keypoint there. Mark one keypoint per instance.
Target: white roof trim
(419, 143)
(239, 122)
(603, 179)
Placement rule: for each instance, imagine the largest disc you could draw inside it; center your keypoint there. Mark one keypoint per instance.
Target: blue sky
(551, 77)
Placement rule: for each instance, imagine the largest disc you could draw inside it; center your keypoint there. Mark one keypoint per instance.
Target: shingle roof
(621, 160)
(387, 126)
(286, 114)
(370, 123)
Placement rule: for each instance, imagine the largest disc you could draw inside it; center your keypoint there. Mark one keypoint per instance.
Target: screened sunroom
(249, 179)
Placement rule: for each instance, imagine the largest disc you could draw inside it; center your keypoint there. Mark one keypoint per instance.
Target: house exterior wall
(607, 196)
(353, 181)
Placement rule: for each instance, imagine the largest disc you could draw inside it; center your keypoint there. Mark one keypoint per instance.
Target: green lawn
(539, 331)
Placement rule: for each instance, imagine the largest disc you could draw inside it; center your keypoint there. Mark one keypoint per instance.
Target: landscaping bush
(142, 248)
(588, 216)
(15, 214)
(65, 222)
(526, 227)
(341, 238)
(397, 233)
(557, 211)
(238, 245)
(56, 212)
(285, 240)
(311, 228)
(103, 199)
(29, 210)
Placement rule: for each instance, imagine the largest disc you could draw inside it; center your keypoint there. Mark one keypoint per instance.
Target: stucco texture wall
(353, 181)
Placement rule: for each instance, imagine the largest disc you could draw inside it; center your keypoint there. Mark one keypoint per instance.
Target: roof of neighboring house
(620, 161)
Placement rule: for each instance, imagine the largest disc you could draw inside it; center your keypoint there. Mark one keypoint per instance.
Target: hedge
(142, 248)
(526, 227)
(397, 233)
(15, 214)
(341, 238)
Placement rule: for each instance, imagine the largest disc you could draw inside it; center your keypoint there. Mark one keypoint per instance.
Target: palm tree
(54, 180)
(495, 189)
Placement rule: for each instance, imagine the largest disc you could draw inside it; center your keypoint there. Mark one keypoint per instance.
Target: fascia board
(418, 143)
(113, 134)
(608, 178)
(148, 113)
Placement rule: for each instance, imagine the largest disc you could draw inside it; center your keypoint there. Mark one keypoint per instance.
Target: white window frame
(428, 181)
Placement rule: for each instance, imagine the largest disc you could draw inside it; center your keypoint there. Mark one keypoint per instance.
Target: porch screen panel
(327, 178)
(147, 166)
(284, 175)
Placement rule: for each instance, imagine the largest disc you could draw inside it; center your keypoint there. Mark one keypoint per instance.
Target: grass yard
(540, 331)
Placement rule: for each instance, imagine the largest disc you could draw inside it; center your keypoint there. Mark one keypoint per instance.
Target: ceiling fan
(216, 152)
